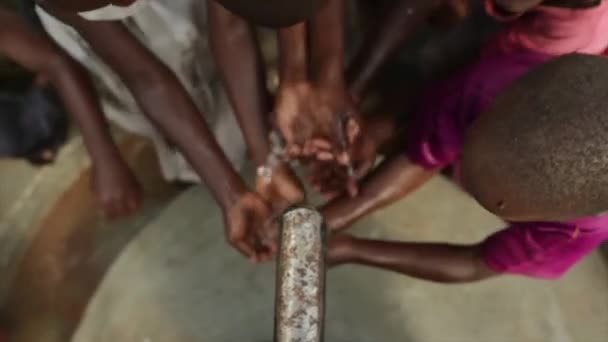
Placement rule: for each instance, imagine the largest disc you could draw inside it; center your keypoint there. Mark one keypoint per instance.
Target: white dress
(176, 32)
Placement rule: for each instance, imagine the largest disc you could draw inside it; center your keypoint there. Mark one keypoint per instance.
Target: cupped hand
(246, 222)
(316, 121)
(282, 190)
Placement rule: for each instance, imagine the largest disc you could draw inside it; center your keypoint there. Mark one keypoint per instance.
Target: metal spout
(300, 292)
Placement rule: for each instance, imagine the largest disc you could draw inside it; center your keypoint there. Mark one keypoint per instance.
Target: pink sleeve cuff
(538, 249)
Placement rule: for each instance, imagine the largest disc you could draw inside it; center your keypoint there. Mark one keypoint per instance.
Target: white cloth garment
(176, 32)
(112, 12)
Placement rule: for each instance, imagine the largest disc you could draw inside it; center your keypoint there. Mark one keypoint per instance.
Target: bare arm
(164, 101)
(400, 20)
(293, 96)
(39, 55)
(237, 54)
(238, 57)
(437, 262)
(328, 44)
(294, 54)
(117, 189)
(391, 181)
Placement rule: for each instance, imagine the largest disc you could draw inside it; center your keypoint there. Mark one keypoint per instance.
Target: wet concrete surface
(70, 251)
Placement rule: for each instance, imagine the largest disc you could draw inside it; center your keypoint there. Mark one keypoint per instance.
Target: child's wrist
(232, 195)
(107, 158)
(274, 159)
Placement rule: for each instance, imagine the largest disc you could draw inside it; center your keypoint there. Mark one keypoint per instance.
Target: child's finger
(325, 156)
(246, 249)
(331, 195)
(321, 144)
(294, 150)
(344, 158)
(353, 129)
(308, 148)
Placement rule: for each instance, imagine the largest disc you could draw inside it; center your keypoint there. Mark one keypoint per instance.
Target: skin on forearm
(391, 181)
(165, 102)
(77, 92)
(327, 43)
(69, 79)
(400, 21)
(435, 262)
(293, 44)
(237, 54)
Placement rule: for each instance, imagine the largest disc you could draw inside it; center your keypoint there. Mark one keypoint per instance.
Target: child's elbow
(474, 270)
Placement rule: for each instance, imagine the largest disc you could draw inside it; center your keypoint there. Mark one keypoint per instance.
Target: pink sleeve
(539, 250)
(447, 108)
(437, 133)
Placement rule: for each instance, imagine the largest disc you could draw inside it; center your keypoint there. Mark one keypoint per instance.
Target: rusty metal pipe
(300, 291)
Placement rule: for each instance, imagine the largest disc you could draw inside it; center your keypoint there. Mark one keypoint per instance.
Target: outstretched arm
(237, 54)
(116, 187)
(437, 262)
(313, 104)
(169, 107)
(394, 179)
(164, 101)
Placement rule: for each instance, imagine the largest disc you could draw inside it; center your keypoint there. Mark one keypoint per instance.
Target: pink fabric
(544, 249)
(448, 108)
(554, 30)
(536, 249)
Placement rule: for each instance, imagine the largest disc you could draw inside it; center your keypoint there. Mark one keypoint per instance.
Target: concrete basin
(178, 281)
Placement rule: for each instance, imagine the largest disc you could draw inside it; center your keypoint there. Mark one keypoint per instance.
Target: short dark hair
(31, 123)
(541, 152)
(273, 13)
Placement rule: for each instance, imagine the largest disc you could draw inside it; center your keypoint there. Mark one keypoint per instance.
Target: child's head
(541, 152)
(32, 126)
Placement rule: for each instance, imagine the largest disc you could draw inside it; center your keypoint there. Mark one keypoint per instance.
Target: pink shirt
(554, 30)
(537, 249)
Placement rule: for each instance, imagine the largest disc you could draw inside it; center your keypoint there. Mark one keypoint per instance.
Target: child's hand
(245, 225)
(293, 116)
(316, 121)
(363, 154)
(332, 180)
(328, 178)
(340, 249)
(283, 189)
(117, 191)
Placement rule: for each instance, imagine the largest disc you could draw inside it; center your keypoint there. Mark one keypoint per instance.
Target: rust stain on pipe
(300, 292)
